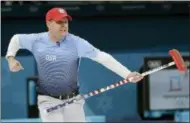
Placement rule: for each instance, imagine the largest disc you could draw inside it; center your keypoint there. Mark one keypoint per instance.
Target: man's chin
(64, 34)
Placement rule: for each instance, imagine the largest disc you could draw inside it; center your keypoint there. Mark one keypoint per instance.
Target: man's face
(58, 29)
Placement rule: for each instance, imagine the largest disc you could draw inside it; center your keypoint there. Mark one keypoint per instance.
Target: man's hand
(14, 65)
(134, 77)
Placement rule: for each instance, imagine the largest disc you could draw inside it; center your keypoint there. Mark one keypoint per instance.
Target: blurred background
(138, 34)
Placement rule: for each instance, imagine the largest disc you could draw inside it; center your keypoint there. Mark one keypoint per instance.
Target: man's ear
(48, 23)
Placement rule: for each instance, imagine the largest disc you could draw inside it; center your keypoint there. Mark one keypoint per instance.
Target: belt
(63, 96)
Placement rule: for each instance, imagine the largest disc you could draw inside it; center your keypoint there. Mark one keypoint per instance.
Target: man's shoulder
(74, 37)
(34, 35)
(41, 34)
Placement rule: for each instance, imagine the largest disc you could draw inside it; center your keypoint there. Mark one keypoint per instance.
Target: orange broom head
(178, 60)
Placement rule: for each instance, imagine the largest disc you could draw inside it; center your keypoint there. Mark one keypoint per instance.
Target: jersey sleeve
(85, 49)
(26, 40)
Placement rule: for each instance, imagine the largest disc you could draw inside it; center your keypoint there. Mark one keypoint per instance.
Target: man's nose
(63, 25)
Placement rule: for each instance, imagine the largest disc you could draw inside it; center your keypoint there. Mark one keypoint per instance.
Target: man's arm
(85, 49)
(19, 41)
(13, 47)
(111, 63)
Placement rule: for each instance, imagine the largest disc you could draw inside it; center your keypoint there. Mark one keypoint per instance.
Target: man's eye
(61, 22)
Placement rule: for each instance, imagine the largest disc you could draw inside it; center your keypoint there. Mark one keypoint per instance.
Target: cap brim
(60, 18)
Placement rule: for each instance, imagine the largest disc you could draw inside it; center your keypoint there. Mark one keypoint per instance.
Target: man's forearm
(13, 47)
(112, 64)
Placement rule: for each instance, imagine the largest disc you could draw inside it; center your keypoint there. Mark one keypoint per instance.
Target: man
(58, 53)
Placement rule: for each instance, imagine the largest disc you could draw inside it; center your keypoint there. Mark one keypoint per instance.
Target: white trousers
(72, 113)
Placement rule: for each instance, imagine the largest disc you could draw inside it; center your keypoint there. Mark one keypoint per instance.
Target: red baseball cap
(57, 14)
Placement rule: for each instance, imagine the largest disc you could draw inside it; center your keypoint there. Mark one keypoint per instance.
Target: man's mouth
(63, 30)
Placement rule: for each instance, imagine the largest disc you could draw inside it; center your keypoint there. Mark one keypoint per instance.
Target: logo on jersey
(51, 57)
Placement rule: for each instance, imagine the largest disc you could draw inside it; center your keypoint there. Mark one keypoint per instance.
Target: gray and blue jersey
(57, 64)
